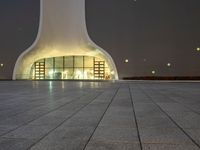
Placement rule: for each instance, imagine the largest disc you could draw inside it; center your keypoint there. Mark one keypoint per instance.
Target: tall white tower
(62, 40)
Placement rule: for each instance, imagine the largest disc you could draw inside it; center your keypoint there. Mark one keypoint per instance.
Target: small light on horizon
(168, 64)
(153, 72)
(198, 48)
(2, 65)
(126, 61)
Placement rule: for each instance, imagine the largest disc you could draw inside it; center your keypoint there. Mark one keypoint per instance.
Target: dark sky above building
(150, 33)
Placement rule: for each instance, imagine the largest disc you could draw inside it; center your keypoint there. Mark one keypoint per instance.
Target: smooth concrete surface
(122, 115)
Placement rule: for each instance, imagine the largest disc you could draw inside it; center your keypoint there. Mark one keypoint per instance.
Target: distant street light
(126, 61)
(2, 65)
(168, 64)
(198, 48)
(153, 72)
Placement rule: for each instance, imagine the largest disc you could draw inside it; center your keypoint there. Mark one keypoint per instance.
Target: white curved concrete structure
(62, 32)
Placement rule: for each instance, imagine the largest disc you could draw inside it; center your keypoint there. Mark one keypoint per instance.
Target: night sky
(149, 33)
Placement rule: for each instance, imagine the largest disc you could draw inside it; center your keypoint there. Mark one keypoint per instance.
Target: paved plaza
(122, 115)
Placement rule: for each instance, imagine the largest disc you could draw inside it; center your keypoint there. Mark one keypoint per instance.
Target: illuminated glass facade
(70, 67)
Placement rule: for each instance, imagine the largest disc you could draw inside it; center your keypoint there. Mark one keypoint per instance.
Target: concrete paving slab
(183, 146)
(118, 121)
(164, 135)
(122, 115)
(71, 138)
(155, 122)
(107, 145)
(5, 128)
(15, 144)
(195, 134)
(28, 132)
(111, 134)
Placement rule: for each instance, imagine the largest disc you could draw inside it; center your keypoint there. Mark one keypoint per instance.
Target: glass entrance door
(99, 69)
(40, 70)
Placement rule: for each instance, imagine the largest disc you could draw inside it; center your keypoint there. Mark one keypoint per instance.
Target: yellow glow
(198, 48)
(85, 75)
(112, 72)
(2, 65)
(51, 72)
(65, 75)
(78, 74)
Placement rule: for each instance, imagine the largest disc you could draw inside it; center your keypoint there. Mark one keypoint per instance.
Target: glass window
(78, 61)
(88, 61)
(78, 73)
(49, 62)
(75, 67)
(59, 62)
(88, 73)
(68, 73)
(49, 73)
(68, 61)
(58, 73)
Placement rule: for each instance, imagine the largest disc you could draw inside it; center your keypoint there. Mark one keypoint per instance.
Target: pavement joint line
(101, 117)
(43, 114)
(135, 117)
(173, 99)
(150, 98)
(98, 94)
(176, 101)
(28, 110)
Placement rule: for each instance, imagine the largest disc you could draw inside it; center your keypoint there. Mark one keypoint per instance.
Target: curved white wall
(62, 32)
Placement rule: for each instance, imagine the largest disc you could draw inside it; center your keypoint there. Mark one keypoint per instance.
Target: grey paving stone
(155, 122)
(118, 121)
(29, 132)
(15, 144)
(6, 128)
(164, 136)
(49, 120)
(187, 119)
(147, 107)
(148, 113)
(82, 121)
(106, 145)
(195, 134)
(111, 134)
(71, 138)
(32, 108)
(169, 147)
(119, 111)
(173, 107)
